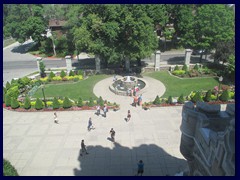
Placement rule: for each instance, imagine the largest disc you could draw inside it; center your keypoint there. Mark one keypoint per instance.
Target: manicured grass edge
(8, 169)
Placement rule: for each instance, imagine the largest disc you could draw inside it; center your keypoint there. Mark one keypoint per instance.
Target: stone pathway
(37, 146)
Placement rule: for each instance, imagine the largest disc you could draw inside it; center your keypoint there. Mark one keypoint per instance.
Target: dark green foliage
(4, 90)
(196, 67)
(42, 69)
(62, 74)
(7, 100)
(80, 72)
(27, 103)
(39, 104)
(91, 103)
(157, 100)
(224, 96)
(23, 81)
(170, 100)
(197, 97)
(51, 75)
(13, 92)
(180, 100)
(176, 68)
(3, 97)
(71, 73)
(56, 104)
(8, 169)
(8, 85)
(100, 101)
(80, 102)
(67, 103)
(185, 68)
(14, 103)
(207, 97)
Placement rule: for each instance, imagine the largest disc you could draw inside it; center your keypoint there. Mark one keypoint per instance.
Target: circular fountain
(124, 85)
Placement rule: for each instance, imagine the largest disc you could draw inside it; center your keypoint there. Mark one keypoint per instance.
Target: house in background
(57, 26)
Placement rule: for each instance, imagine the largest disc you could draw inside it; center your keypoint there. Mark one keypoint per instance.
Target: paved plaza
(35, 145)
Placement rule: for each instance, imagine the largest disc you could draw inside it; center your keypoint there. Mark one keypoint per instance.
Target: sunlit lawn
(83, 89)
(175, 86)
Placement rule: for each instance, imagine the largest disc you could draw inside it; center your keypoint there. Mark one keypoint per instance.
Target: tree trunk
(139, 62)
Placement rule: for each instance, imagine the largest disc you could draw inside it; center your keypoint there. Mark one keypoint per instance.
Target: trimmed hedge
(207, 97)
(67, 103)
(56, 103)
(14, 103)
(27, 103)
(91, 103)
(80, 102)
(157, 100)
(39, 104)
(62, 74)
(224, 96)
(181, 99)
(7, 100)
(8, 169)
(197, 97)
(170, 100)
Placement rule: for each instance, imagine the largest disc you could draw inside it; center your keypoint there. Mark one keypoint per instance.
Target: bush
(27, 103)
(44, 80)
(24, 81)
(13, 92)
(178, 72)
(80, 102)
(49, 103)
(176, 68)
(57, 78)
(4, 90)
(91, 103)
(3, 97)
(8, 85)
(196, 67)
(157, 100)
(224, 96)
(51, 75)
(64, 79)
(71, 73)
(76, 79)
(80, 72)
(231, 95)
(185, 68)
(33, 103)
(67, 103)
(56, 103)
(8, 169)
(170, 100)
(213, 97)
(100, 101)
(197, 97)
(193, 73)
(207, 97)
(42, 69)
(14, 103)
(39, 104)
(180, 100)
(7, 100)
(62, 74)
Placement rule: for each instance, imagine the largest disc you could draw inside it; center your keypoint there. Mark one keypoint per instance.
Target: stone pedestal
(39, 59)
(127, 64)
(68, 63)
(157, 61)
(188, 53)
(98, 63)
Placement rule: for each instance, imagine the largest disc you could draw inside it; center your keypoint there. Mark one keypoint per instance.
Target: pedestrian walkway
(35, 145)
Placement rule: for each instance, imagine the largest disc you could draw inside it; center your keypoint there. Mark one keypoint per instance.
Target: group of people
(137, 100)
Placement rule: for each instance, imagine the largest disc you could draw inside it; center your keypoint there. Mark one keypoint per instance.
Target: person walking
(128, 115)
(98, 110)
(55, 118)
(105, 111)
(83, 148)
(90, 124)
(112, 132)
(140, 168)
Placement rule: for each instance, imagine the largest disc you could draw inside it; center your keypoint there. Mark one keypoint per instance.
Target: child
(128, 115)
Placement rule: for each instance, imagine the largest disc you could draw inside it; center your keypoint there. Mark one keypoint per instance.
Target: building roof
(56, 23)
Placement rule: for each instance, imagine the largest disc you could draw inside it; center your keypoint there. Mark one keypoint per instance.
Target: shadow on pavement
(122, 161)
(23, 48)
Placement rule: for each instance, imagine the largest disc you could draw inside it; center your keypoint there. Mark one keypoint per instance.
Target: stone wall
(208, 139)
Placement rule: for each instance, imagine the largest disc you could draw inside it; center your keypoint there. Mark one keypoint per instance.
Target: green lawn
(175, 86)
(83, 89)
(8, 42)
(8, 169)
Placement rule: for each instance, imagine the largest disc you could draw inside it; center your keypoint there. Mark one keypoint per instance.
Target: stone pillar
(98, 63)
(39, 59)
(127, 64)
(157, 61)
(188, 53)
(68, 63)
